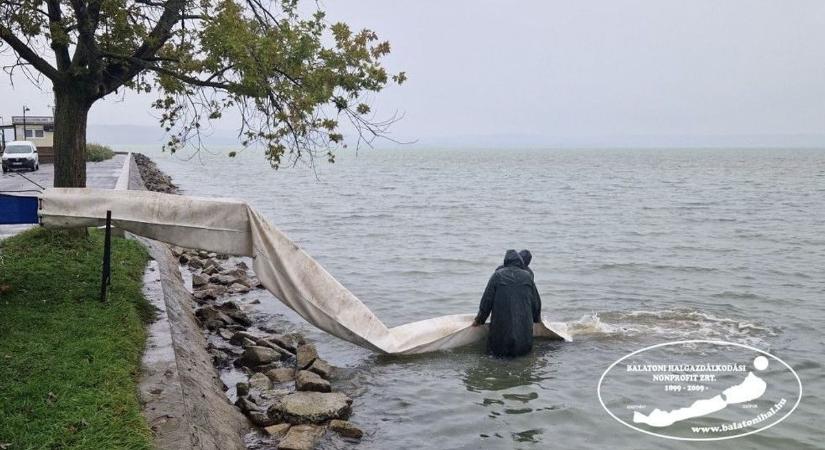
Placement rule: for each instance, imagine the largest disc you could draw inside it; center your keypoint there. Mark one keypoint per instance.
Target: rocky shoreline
(287, 392)
(153, 178)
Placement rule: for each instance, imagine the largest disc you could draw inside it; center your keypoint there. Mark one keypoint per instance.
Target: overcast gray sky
(562, 70)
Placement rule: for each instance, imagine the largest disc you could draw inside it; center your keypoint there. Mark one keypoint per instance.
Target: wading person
(513, 300)
(526, 257)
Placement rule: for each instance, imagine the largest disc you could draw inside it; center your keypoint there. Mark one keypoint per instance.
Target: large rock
(256, 356)
(223, 346)
(301, 437)
(297, 338)
(226, 334)
(228, 306)
(225, 280)
(211, 318)
(246, 405)
(260, 418)
(254, 412)
(277, 430)
(270, 396)
(310, 381)
(260, 382)
(266, 343)
(240, 317)
(242, 337)
(195, 263)
(281, 375)
(199, 280)
(284, 342)
(235, 273)
(209, 292)
(232, 310)
(221, 359)
(345, 429)
(306, 355)
(321, 367)
(238, 337)
(238, 288)
(311, 407)
(248, 282)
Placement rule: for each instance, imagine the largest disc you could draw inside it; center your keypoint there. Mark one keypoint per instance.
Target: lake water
(631, 248)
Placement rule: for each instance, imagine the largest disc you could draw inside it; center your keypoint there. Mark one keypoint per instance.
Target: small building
(39, 130)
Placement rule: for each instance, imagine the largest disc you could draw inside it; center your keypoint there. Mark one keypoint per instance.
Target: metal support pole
(25, 108)
(106, 276)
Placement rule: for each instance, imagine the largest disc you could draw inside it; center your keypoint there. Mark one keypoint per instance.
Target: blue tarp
(17, 210)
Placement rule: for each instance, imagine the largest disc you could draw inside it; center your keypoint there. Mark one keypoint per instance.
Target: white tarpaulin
(233, 227)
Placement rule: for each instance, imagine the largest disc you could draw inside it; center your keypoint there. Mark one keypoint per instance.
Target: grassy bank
(68, 363)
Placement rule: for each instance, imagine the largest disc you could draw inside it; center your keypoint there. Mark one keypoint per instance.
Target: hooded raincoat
(512, 298)
(526, 257)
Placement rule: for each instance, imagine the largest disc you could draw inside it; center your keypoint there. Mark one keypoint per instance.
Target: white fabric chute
(233, 227)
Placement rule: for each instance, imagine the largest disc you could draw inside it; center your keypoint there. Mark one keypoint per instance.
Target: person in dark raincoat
(513, 300)
(526, 257)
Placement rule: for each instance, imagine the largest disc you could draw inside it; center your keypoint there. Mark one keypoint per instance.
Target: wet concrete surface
(181, 393)
(160, 390)
(102, 174)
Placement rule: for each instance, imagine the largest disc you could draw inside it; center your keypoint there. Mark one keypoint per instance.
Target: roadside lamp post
(25, 108)
(2, 135)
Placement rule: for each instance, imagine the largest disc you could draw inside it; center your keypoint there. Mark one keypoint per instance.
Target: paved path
(98, 175)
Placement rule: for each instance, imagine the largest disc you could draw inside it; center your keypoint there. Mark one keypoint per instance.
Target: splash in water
(670, 324)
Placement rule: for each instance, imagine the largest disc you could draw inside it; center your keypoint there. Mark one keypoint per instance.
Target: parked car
(20, 155)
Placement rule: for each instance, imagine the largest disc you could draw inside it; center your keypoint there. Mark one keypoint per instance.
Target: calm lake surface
(631, 248)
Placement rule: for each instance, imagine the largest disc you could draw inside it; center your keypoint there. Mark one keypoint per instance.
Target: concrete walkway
(102, 174)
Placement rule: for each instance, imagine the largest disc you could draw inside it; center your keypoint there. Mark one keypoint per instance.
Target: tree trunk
(71, 112)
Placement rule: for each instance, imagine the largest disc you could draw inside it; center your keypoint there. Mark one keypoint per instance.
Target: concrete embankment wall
(181, 393)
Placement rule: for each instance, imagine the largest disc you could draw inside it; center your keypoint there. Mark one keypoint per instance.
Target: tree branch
(141, 65)
(28, 54)
(86, 53)
(231, 87)
(161, 33)
(60, 47)
(129, 67)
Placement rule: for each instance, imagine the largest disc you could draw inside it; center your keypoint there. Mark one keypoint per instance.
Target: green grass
(97, 153)
(68, 363)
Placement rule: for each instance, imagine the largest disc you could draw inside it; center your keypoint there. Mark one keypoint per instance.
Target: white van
(20, 155)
